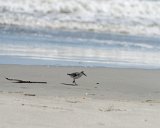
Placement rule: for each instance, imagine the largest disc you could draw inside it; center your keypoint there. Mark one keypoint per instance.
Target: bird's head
(83, 73)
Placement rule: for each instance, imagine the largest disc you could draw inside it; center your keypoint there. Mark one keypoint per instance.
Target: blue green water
(78, 48)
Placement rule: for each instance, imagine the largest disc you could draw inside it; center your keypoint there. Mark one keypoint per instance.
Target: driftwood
(24, 81)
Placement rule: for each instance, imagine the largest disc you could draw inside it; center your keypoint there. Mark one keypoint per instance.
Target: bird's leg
(74, 82)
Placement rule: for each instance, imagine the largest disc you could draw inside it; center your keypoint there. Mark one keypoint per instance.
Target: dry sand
(106, 98)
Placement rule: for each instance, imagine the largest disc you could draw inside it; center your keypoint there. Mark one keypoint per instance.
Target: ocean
(87, 33)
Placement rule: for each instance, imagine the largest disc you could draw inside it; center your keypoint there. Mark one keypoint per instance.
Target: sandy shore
(106, 98)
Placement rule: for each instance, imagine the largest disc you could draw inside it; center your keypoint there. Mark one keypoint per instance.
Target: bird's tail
(68, 74)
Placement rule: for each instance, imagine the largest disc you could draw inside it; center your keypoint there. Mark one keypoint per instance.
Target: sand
(106, 98)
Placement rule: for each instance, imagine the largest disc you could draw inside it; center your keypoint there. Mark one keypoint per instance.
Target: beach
(107, 97)
(115, 42)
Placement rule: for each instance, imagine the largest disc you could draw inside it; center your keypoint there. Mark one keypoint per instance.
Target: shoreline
(100, 50)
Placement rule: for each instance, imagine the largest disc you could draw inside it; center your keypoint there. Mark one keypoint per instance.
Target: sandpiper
(76, 75)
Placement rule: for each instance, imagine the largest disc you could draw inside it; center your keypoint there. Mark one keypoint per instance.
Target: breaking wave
(118, 16)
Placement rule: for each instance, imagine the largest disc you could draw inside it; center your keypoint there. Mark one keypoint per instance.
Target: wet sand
(107, 97)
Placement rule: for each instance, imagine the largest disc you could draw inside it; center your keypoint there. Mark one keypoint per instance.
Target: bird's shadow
(69, 84)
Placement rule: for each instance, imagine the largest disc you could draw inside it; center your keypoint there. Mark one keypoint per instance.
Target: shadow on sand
(69, 84)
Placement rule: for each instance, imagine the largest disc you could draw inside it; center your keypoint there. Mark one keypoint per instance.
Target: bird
(76, 75)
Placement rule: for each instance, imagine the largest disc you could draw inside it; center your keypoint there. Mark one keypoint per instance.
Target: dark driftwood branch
(24, 81)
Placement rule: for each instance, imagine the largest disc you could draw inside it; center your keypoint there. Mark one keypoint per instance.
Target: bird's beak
(84, 74)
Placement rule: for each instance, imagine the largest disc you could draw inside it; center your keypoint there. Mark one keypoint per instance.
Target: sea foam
(119, 16)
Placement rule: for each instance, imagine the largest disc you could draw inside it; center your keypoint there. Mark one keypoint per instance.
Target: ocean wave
(80, 48)
(119, 16)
